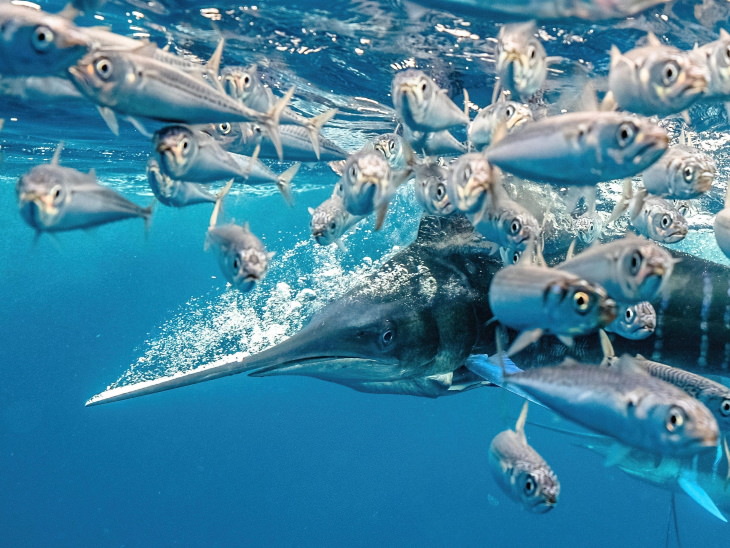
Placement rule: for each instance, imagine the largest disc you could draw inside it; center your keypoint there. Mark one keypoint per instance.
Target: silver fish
(715, 57)
(241, 255)
(136, 85)
(368, 184)
(721, 226)
(506, 222)
(245, 85)
(422, 105)
(589, 227)
(430, 189)
(536, 300)
(433, 143)
(37, 43)
(521, 59)
(330, 220)
(174, 193)
(683, 172)
(580, 148)
(391, 146)
(470, 181)
(520, 470)
(655, 79)
(193, 155)
(624, 402)
(634, 321)
(245, 137)
(653, 217)
(631, 269)
(53, 198)
(501, 116)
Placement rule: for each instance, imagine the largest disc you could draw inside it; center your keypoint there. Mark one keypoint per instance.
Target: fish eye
(440, 191)
(225, 128)
(246, 80)
(387, 337)
(530, 485)
(236, 263)
(42, 38)
(424, 87)
(332, 225)
(467, 173)
(515, 226)
(670, 73)
(509, 111)
(185, 143)
(666, 221)
(353, 171)
(688, 173)
(531, 52)
(725, 408)
(635, 263)
(626, 133)
(391, 145)
(103, 67)
(727, 53)
(56, 192)
(675, 419)
(582, 301)
(516, 257)
(629, 314)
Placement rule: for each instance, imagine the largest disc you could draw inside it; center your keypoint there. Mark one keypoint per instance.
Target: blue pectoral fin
(688, 482)
(490, 369)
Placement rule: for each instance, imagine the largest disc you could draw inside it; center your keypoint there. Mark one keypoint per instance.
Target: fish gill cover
(294, 461)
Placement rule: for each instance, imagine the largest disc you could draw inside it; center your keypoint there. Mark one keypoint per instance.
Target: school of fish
(209, 123)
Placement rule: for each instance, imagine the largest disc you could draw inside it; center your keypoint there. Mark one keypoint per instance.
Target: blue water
(268, 461)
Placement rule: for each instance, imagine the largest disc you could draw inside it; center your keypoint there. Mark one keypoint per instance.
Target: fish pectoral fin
(688, 482)
(566, 340)
(523, 340)
(380, 217)
(110, 118)
(616, 453)
(314, 125)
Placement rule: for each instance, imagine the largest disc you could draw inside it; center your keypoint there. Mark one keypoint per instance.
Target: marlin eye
(675, 419)
(42, 38)
(629, 314)
(530, 485)
(670, 73)
(509, 111)
(625, 134)
(387, 337)
(666, 221)
(104, 68)
(225, 128)
(688, 173)
(725, 408)
(515, 227)
(635, 263)
(440, 192)
(582, 301)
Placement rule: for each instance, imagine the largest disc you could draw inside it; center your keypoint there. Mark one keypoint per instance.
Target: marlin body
(405, 329)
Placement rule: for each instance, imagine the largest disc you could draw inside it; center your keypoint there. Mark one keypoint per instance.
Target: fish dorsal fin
(652, 40)
(146, 49)
(571, 250)
(214, 63)
(521, 420)
(69, 12)
(439, 229)
(616, 56)
(628, 364)
(609, 353)
(588, 99)
(57, 153)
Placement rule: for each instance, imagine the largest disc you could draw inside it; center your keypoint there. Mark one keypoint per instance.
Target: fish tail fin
(271, 121)
(283, 182)
(314, 125)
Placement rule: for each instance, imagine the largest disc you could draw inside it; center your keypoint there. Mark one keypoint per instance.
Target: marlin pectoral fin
(688, 482)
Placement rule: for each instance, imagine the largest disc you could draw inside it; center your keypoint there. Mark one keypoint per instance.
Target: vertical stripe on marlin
(704, 316)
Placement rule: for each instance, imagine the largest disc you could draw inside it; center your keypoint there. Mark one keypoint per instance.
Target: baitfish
(37, 43)
(652, 217)
(174, 193)
(520, 470)
(715, 57)
(391, 146)
(193, 155)
(580, 148)
(430, 189)
(368, 184)
(421, 105)
(521, 60)
(241, 255)
(655, 79)
(624, 402)
(433, 143)
(714, 395)
(245, 137)
(506, 222)
(634, 321)
(500, 117)
(631, 269)
(470, 181)
(682, 173)
(330, 220)
(535, 300)
(134, 84)
(53, 198)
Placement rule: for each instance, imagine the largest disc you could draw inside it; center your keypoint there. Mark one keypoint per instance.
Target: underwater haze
(288, 460)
